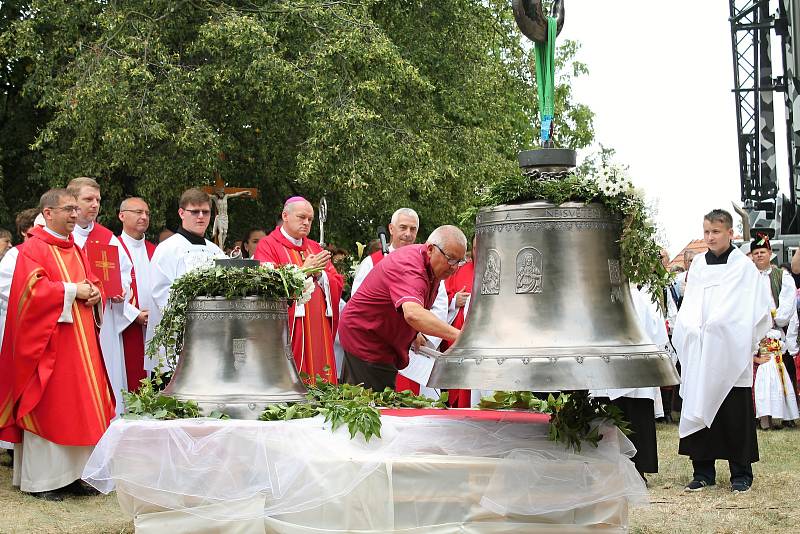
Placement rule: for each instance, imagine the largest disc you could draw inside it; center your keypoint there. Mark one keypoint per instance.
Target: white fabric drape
(423, 472)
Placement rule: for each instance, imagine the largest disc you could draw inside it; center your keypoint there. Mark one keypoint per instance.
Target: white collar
(132, 241)
(295, 242)
(84, 231)
(54, 233)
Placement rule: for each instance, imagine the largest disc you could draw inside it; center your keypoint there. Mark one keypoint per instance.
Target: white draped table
(427, 474)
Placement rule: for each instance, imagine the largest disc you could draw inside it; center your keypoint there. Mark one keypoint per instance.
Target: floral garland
(640, 255)
(287, 282)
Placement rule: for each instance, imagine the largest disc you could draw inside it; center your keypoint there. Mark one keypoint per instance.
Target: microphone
(382, 236)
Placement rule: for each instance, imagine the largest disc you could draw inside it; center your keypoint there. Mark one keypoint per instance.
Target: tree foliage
(373, 103)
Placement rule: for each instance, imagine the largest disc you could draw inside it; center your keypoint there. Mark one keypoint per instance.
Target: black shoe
(53, 496)
(789, 424)
(739, 487)
(80, 489)
(697, 485)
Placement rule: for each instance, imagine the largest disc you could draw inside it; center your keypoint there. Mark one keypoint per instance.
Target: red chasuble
(461, 280)
(133, 336)
(312, 335)
(54, 382)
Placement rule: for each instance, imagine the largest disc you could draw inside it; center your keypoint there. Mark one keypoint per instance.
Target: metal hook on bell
(531, 20)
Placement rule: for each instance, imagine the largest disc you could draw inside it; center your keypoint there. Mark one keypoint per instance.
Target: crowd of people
(71, 345)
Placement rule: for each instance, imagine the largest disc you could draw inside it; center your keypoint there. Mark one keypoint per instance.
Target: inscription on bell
(239, 352)
(574, 213)
(529, 271)
(490, 284)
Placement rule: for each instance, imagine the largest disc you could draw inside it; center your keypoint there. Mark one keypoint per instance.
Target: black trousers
(706, 470)
(374, 376)
(788, 362)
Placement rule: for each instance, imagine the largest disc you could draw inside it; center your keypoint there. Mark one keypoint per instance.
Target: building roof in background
(698, 246)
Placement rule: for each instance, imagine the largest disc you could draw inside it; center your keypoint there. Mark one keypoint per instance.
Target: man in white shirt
(403, 229)
(184, 251)
(724, 316)
(135, 216)
(117, 315)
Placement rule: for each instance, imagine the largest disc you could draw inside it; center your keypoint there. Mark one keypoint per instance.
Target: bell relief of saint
(529, 271)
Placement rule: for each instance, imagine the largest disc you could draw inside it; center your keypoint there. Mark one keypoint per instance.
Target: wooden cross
(105, 265)
(220, 184)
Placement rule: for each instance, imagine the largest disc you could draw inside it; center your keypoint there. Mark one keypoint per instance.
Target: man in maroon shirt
(382, 319)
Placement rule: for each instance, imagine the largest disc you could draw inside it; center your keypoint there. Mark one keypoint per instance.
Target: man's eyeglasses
(139, 213)
(68, 209)
(452, 262)
(198, 213)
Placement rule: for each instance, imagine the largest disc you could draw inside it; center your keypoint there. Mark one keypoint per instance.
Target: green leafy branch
(346, 404)
(574, 417)
(148, 402)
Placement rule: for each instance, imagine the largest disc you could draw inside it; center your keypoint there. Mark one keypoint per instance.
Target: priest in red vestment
(55, 396)
(459, 289)
(312, 326)
(135, 216)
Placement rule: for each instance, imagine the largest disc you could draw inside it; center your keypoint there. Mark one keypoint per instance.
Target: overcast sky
(660, 82)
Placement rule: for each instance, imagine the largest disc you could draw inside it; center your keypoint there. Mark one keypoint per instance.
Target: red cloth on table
(53, 381)
(312, 335)
(517, 416)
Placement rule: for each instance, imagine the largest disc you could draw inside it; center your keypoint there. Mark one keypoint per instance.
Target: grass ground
(771, 506)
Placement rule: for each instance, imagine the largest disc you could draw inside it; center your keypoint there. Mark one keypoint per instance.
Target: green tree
(373, 103)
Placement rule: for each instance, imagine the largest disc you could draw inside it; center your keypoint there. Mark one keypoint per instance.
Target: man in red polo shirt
(393, 304)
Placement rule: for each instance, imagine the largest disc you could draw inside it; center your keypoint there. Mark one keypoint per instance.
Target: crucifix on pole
(220, 195)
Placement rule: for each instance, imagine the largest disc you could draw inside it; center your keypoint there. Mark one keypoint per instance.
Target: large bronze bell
(236, 358)
(550, 309)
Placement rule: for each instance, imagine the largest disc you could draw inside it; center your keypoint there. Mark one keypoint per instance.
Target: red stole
(133, 336)
(461, 280)
(54, 382)
(312, 335)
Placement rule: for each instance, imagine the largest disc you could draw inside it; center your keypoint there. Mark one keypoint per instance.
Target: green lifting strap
(545, 76)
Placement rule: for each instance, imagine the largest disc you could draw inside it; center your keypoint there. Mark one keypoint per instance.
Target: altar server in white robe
(774, 393)
(117, 315)
(403, 228)
(724, 316)
(641, 406)
(182, 252)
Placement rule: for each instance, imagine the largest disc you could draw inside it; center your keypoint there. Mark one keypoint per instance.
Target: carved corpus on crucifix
(220, 195)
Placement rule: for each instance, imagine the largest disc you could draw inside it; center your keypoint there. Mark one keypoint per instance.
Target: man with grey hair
(403, 230)
(135, 216)
(393, 305)
(312, 326)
